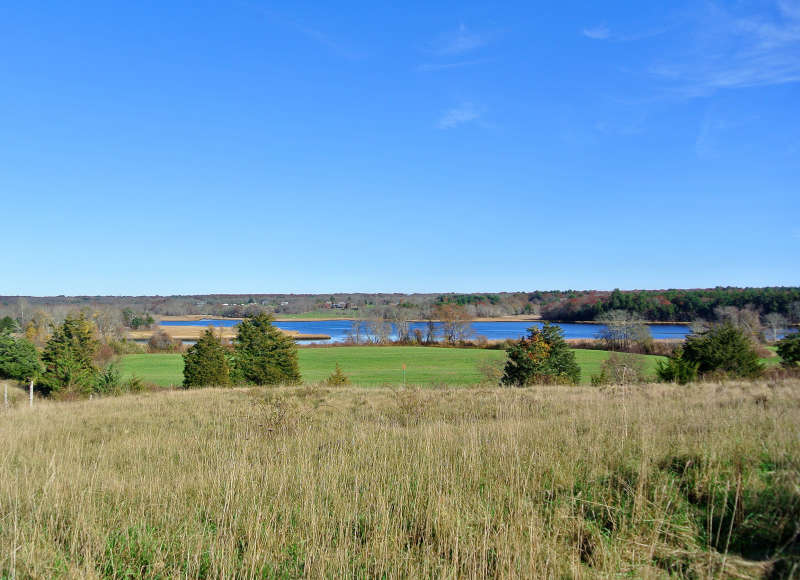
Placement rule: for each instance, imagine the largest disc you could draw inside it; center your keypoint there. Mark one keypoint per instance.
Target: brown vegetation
(643, 481)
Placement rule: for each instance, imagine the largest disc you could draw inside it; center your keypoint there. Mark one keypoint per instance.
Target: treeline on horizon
(679, 305)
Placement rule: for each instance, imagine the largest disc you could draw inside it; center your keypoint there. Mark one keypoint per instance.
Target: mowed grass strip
(375, 365)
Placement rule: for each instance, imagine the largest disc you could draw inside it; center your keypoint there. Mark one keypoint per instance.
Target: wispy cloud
(453, 49)
(334, 45)
(465, 113)
(432, 66)
(601, 32)
(736, 51)
(458, 42)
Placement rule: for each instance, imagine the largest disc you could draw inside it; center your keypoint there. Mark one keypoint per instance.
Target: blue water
(338, 330)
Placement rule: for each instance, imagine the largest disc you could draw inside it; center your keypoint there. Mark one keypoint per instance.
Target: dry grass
(191, 332)
(650, 481)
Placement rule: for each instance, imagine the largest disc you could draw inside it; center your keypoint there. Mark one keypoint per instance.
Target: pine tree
(18, 358)
(68, 357)
(263, 354)
(789, 349)
(205, 363)
(724, 348)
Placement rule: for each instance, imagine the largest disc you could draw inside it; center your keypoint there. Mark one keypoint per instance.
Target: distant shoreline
(510, 318)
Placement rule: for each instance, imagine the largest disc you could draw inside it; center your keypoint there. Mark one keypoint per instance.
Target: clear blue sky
(193, 147)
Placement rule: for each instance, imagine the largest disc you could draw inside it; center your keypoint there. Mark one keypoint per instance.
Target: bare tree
(455, 322)
(775, 322)
(379, 329)
(357, 331)
(109, 323)
(747, 318)
(623, 329)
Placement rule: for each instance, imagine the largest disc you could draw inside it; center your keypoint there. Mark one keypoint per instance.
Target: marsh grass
(316, 481)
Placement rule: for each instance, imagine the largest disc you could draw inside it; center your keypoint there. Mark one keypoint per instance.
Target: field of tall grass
(649, 481)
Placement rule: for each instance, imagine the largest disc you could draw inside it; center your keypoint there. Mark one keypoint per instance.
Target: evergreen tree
(8, 324)
(676, 369)
(789, 349)
(541, 357)
(68, 357)
(724, 348)
(263, 354)
(337, 378)
(18, 358)
(205, 362)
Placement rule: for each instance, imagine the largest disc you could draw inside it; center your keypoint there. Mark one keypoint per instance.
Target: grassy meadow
(375, 365)
(653, 481)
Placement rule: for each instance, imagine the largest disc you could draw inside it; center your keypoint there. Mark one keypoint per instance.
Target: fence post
(30, 393)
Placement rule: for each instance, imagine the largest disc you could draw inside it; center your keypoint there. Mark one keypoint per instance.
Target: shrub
(205, 362)
(620, 369)
(263, 354)
(726, 349)
(491, 370)
(676, 369)
(541, 357)
(126, 346)
(160, 341)
(789, 349)
(337, 378)
(68, 357)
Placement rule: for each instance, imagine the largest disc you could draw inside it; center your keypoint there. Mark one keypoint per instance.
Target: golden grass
(191, 332)
(475, 483)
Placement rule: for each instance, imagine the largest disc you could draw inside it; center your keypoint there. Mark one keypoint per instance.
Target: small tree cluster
(541, 357)
(261, 355)
(68, 357)
(725, 349)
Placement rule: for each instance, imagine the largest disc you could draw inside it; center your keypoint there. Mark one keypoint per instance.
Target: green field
(373, 365)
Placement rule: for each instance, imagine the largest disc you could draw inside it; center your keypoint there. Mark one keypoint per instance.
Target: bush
(205, 363)
(789, 349)
(541, 357)
(723, 349)
(68, 358)
(676, 369)
(126, 346)
(109, 381)
(160, 341)
(263, 354)
(620, 369)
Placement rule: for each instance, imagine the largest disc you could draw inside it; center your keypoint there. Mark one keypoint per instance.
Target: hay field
(654, 481)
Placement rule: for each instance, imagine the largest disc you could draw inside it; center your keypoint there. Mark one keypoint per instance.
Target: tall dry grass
(651, 481)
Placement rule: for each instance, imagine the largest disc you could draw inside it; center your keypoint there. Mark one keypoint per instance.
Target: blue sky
(193, 147)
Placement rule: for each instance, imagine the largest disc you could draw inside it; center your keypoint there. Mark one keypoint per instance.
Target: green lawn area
(372, 365)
